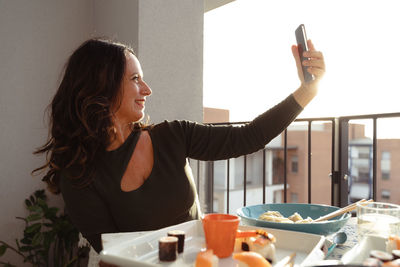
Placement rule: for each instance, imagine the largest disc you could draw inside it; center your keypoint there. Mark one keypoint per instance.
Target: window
(363, 176)
(385, 194)
(385, 175)
(385, 165)
(295, 164)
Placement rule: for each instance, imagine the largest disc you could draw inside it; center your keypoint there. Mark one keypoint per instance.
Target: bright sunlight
(248, 65)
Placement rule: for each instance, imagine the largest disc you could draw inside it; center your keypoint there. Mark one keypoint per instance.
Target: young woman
(117, 174)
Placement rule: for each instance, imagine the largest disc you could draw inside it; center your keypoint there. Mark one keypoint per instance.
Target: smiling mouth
(140, 102)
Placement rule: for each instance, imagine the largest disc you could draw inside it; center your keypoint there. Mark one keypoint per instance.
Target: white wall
(117, 20)
(171, 54)
(36, 38)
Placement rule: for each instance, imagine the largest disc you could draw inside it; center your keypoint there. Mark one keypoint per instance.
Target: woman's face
(134, 92)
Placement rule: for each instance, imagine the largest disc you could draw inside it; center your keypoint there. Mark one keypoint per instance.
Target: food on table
(372, 262)
(381, 255)
(273, 213)
(295, 217)
(167, 248)
(250, 259)
(396, 254)
(393, 243)
(276, 216)
(394, 263)
(388, 258)
(258, 241)
(181, 238)
(206, 259)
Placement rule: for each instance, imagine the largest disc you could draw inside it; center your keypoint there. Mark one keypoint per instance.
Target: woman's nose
(145, 89)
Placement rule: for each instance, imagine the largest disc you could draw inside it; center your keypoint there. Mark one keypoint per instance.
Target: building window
(385, 194)
(385, 175)
(295, 164)
(385, 165)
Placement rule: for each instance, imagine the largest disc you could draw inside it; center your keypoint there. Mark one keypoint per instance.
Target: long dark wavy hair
(81, 111)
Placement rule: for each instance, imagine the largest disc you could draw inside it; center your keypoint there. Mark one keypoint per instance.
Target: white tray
(360, 252)
(143, 251)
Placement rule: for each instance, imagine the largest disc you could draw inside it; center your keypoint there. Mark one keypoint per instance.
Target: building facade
(249, 172)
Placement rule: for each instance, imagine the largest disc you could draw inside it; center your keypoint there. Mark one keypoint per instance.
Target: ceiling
(212, 4)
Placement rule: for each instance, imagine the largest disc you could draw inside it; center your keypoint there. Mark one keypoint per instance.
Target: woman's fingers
(316, 58)
(317, 72)
(296, 56)
(319, 63)
(295, 53)
(313, 54)
(315, 62)
(310, 45)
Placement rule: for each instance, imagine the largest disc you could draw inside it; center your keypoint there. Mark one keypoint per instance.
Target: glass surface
(378, 218)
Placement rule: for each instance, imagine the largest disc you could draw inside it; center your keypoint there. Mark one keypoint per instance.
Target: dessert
(372, 262)
(257, 241)
(167, 248)
(250, 259)
(206, 258)
(381, 255)
(181, 238)
(394, 263)
(396, 254)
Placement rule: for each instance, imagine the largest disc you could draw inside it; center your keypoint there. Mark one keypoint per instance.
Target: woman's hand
(315, 66)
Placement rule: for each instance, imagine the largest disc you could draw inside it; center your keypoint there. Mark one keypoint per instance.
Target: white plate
(360, 252)
(143, 251)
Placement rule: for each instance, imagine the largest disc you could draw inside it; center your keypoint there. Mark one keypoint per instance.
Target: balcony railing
(341, 178)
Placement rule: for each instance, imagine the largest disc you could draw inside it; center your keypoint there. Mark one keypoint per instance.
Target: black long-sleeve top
(167, 196)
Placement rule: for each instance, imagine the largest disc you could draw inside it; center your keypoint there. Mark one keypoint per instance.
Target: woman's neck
(120, 132)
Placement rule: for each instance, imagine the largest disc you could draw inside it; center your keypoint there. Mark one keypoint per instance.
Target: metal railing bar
(314, 119)
(197, 178)
(264, 175)
(343, 161)
(333, 155)
(374, 156)
(372, 116)
(366, 116)
(227, 185)
(212, 187)
(198, 174)
(244, 179)
(309, 161)
(339, 146)
(285, 167)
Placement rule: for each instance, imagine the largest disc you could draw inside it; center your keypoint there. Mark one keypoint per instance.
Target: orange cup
(220, 233)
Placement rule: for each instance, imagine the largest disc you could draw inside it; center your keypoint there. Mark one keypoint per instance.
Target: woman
(117, 174)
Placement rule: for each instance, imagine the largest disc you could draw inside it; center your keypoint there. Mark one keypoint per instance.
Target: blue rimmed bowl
(249, 216)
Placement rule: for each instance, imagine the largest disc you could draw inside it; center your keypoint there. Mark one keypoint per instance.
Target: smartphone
(302, 46)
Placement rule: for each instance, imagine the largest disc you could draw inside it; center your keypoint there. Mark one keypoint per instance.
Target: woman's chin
(140, 117)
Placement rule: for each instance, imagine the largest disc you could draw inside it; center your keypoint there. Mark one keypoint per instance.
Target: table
(350, 229)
